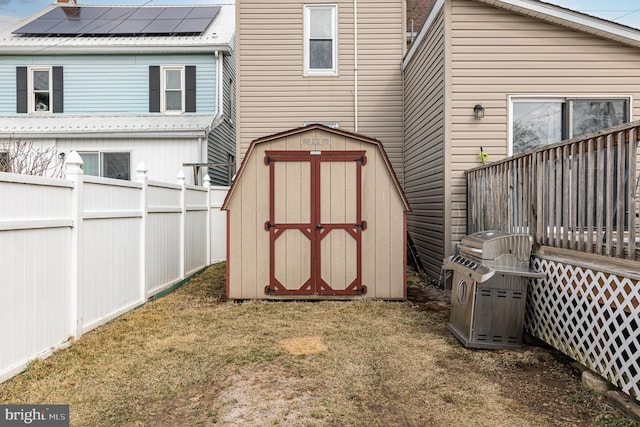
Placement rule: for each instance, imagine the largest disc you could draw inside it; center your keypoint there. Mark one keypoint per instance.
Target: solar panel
(196, 25)
(162, 26)
(57, 13)
(68, 27)
(174, 13)
(39, 26)
(119, 20)
(118, 13)
(130, 26)
(99, 26)
(82, 12)
(203, 12)
(146, 13)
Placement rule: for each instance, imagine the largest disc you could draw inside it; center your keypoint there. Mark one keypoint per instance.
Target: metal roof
(75, 126)
(215, 36)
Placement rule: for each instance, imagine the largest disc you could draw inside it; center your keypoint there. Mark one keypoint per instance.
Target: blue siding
(95, 84)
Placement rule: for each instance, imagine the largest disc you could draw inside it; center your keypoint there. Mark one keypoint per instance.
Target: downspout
(355, 65)
(219, 88)
(404, 118)
(203, 159)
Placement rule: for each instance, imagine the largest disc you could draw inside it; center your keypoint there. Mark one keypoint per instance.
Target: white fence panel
(164, 212)
(78, 252)
(195, 243)
(218, 225)
(109, 250)
(35, 296)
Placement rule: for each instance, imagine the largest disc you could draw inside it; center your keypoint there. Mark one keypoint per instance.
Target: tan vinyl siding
(424, 159)
(495, 54)
(274, 95)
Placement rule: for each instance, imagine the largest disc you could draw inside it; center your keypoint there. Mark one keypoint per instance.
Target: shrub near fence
(80, 251)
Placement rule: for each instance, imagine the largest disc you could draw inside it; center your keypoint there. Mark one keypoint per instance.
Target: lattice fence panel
(591, 316)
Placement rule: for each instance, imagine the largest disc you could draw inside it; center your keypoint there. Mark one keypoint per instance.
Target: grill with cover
(489, 289)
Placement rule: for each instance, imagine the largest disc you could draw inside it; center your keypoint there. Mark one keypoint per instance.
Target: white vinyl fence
(80, 251)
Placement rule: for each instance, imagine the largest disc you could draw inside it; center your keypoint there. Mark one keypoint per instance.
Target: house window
(172, 89)
(4, 162)
(232, 101)
(320, 39)
(107, 164)
(40, 90)
(537, 122)
(231, 168)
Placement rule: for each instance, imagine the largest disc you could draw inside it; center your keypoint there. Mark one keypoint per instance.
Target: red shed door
(315, 225)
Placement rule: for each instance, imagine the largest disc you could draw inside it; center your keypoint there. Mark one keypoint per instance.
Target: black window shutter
(58, 90)
(21, 90)
(154, 89)
(190, 89)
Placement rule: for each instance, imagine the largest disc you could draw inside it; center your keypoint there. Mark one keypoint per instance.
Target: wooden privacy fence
(80, 251)
(581, 194)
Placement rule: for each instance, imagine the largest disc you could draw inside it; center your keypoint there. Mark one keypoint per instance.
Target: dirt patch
(191, 358)
(301, 346)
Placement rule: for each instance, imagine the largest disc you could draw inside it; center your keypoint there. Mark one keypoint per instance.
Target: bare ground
(190, 358)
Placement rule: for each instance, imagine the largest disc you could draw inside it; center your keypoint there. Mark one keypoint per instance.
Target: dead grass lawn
(190, 358)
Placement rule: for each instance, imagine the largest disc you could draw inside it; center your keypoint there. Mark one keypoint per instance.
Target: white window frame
(308, 71)
(101, 154)
(560, 99)
(31, 102)
(163, 89)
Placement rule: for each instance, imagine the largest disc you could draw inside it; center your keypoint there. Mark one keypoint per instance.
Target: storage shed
(316, 213)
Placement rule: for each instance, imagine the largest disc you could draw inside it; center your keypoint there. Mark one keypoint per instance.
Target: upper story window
(172, 89)
(320, 39)
(536, 122)
(39, 90)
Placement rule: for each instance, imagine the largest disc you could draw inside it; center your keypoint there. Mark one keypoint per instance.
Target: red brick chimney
(67, 2)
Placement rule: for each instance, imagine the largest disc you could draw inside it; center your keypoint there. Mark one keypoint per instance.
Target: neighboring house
(537, 73)
(123, 85)
(335, 63)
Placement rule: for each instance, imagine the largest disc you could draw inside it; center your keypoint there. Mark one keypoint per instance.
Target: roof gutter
(91, 50)
(166, 134)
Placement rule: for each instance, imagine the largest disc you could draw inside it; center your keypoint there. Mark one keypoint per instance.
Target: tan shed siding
(496, 54)
(424, 147)
(274, 95)
(382, 209)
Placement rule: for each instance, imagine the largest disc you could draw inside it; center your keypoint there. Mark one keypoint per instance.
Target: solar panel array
(121, 20)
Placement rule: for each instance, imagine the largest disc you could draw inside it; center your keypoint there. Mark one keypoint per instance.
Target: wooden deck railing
(580, 194)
